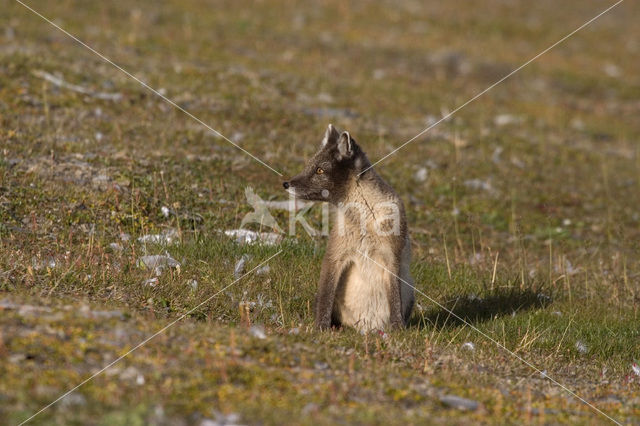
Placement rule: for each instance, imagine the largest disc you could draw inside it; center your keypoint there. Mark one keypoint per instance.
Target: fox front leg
(325, 297)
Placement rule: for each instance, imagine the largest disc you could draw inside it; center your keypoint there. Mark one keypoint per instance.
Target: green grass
(528, 231)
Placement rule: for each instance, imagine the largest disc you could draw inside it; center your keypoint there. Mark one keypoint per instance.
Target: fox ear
(330, 136)
(345, 145)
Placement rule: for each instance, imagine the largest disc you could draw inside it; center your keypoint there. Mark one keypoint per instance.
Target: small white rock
(245, 236)
(469, 346)
(321, 366)
(239, 268)
(581, 347)
(263, 270)
(166, 237)
(421, 175)
(379, 74)
(193, 284)
(612, 70)
(257, 331)
(158, 262)
(459, 403)
(129, 373)
(505, 119)
(73, 399)
(478, 184)
(140, 380)
(151, 282)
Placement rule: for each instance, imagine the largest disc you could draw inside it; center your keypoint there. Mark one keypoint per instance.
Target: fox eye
(319, 171)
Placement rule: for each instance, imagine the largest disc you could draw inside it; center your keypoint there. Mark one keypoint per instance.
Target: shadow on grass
(474, 309)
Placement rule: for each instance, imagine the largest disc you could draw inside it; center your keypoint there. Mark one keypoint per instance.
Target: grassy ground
(523, 210)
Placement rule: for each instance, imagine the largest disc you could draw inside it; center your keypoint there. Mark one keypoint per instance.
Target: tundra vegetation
(523, 210)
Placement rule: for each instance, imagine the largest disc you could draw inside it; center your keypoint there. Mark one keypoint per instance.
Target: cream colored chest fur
(362, 300)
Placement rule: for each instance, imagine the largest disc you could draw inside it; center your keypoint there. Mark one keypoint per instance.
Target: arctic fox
(368, 246)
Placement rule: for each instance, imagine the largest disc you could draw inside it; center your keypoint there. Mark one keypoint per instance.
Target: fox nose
(286, 185)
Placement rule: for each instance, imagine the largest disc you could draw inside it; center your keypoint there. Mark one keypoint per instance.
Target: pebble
(421, 175)
(257, 331)
(245, 236)
(73, 399)
(264, 270)
(321, 366)
(167, 237)
(238, 270)
(469, 346)
(504, 119)
(151, 282)
(459, 403)
(581, 347)
(158, 262)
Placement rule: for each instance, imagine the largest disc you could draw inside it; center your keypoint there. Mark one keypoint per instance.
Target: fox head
(327, 175)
